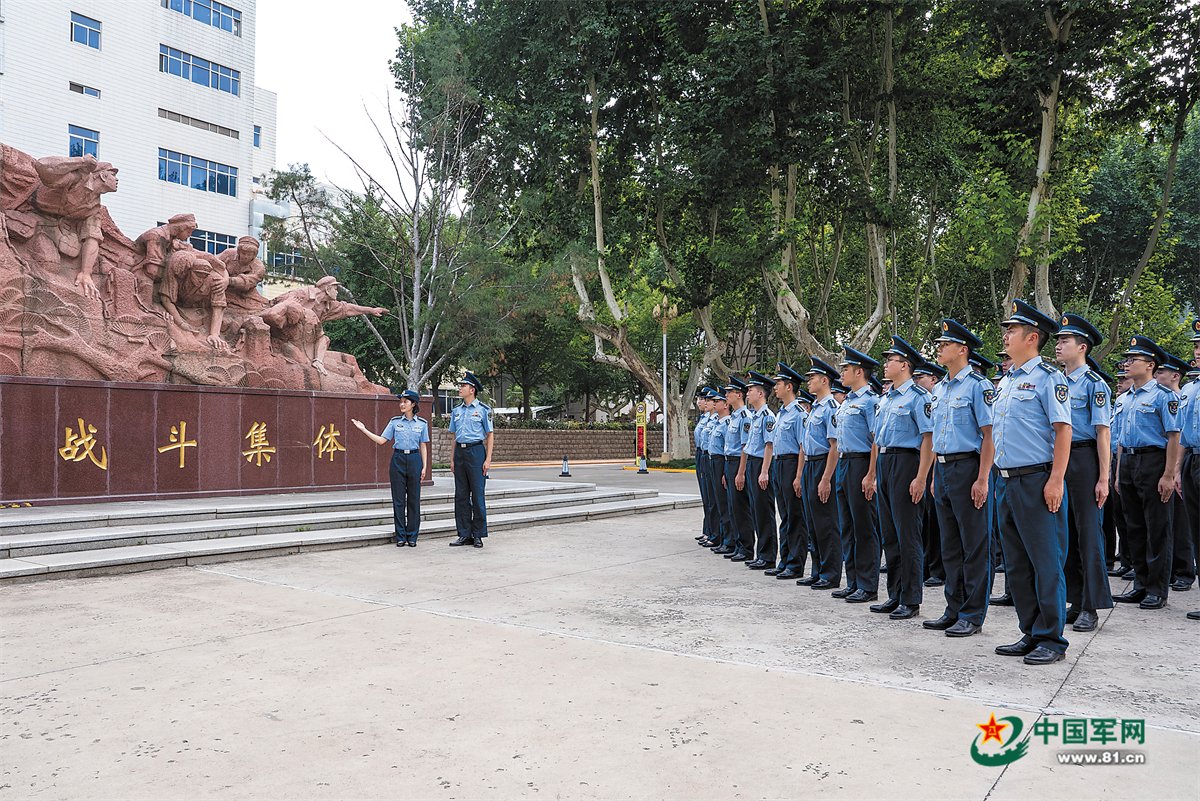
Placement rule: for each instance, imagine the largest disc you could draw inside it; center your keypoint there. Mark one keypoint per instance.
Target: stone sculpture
(79, 299)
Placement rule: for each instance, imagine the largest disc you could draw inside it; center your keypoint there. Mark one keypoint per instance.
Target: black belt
(945, 458)
(848, 455)
(899, 450)
(786, 457)
(1194, 451)
(817, 457)
(467, 444)
(716, 457)
(1083, 443)
(406, 453)
(1014, 472)
(1147, 449)
(749, 457)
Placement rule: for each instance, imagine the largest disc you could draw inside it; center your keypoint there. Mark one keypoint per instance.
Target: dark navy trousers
(793, 529)
(861, 525)
(1086, 567)
(965, 540)
(705, 501)
(762, 508)
(720, 501)
(827, 545)
(1149, 523)
(741, 520)
(1035, 548)
(405, 475)
(470, 513)
(900, 524)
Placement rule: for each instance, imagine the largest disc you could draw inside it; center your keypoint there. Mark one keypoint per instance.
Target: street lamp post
(665, 313)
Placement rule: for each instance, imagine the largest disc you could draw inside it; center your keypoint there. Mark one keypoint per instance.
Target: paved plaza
(606, 659)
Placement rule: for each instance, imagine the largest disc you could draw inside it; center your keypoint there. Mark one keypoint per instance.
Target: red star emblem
(991, 729)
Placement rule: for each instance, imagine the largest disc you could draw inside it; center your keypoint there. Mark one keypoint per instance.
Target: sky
(325, 61)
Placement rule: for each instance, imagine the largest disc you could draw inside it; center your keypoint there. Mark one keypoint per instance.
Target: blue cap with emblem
(1196, 329)
(980, 362)
(785, 373)
(1076, 326)
(840, 388)
(757, 379)
(875, 383)
(1175, 363)
(1094, 366)
(736, 385)
(856, 358)
(804, 396)
(901, 348)
(410, 394)
(473, 380)
(1121, 373)
(954, 331)
(821, 367)
(1025, 314)
(929, 368)
(1147, 347)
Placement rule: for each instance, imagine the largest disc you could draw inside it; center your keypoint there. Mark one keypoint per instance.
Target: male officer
(1189, 438)
(1183, 559)
(757, 471)
(1146, 471)
(716, 474)
(927, 375)
(1108, 522)
(962, 443)
(785, 456)
(1031, 427)
(981, 364)
(816, 480)
(470, 460)
(704, 406)
(860, 521)
(1124, 570)
(735, 477)
(1087, 473)
(901, 455)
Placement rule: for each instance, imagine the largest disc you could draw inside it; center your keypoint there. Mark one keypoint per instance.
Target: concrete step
(132, 558)
(189, 529)
(29, 520)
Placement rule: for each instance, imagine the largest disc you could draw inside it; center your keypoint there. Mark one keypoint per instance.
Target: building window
(258, 136)
(210, 12)
(82, 141)
(201, 124)
(83, 90)
(212, 242)
(85, 30)
(199, 70)
(202, 174)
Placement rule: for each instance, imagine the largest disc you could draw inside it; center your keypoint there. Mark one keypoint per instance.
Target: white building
(163, 89)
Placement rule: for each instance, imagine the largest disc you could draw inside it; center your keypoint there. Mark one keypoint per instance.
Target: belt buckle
(1004, 473)
(941, 458)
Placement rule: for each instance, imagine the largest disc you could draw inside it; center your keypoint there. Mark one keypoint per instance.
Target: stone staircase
(102, 538)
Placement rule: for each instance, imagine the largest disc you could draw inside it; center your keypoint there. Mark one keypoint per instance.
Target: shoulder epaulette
(1049, 368)
(1166, 389)
(920, 390)
(979, 377)
(1092, 374)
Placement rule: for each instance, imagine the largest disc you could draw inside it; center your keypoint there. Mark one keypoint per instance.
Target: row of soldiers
(1031, 471)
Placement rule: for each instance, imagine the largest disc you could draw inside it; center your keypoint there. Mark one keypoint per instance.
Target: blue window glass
(211, 241)
(258, 136)
(209, 12)
(198, 70)
(85, 30)
(82, 141)
(83, 90)
(197, 173)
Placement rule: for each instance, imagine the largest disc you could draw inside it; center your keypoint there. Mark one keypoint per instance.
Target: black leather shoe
(478, 543)
(786, 574)
(765, 566)
(1194, 615)
(934, 581)
(1086, 622)
(399, 543)
(740, 556)
(861, 597)
(1019, 648)
(772, 571)
(1129, 575)
(1001, 600)
(886, 607)
(941, 624)
(1153, 602)
(1131, 597)
(707, 544)
(1116, 572)
(1043, 656)
(807, 581)
(963, 628)
(904, 611)
(822, 584)
(412, 543)
(843, 593)
(461, 541)
(1181, 585)
(721, 549)
(1072, 615)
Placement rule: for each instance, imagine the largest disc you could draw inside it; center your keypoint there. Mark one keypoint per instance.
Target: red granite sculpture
(79, 299)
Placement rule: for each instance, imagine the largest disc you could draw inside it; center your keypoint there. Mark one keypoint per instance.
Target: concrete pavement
(610, 659)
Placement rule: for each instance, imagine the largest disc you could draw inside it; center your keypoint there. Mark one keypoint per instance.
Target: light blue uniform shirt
(716, 435)
(405, 434)
(1151, 412)
(762, 424)
(821, 426)
(1089, 403)
(856, 421)
(1118, 418)
(905, 415)
(470, 422)
(789, 427)
(738, 431)
(698, 431)
(1189, 415)
(962, 406)
(1031, 399)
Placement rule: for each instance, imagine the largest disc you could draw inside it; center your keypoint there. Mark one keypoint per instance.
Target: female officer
(409, 436)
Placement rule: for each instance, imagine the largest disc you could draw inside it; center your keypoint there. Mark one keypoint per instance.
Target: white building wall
(39, 60)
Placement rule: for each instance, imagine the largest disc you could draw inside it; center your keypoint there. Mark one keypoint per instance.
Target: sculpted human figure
(156, 244)
(295, 319)
(245, 271)
(195, 279)
(71, 190)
